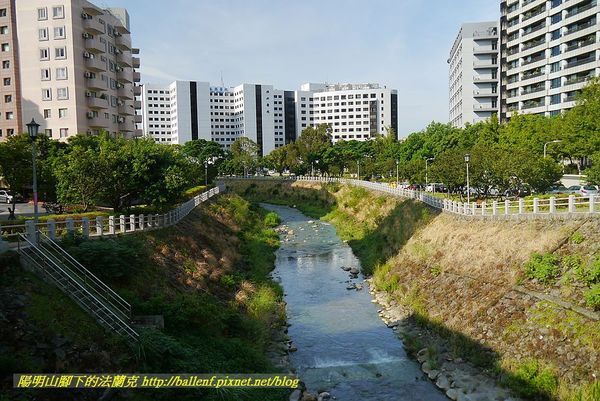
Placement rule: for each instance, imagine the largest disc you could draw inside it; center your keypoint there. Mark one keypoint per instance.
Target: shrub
(272, 219)
(531, 379)
(543, 268)
(592, 297)
(577, 238)
(436, 270)
(190, 193)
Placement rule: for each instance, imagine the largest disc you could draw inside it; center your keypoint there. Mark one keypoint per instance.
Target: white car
(6, 196)
(588, 190)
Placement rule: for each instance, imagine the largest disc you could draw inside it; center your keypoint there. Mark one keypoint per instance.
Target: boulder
(354, 270)
(324, 396)
(296, 395)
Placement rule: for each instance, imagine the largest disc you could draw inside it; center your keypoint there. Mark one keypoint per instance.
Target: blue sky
(403, 44)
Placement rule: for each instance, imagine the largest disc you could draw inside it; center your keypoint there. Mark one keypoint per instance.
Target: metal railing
(553, 207)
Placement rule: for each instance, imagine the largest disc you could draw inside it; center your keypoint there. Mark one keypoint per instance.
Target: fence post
(592, 204)
(473, 208)
(132, 222)
(507, 207)
(571, 203)
(70, 226)
(552, 205)
(466, 211)
(483, 207)
(52, 229)
(111, 225)
(85, 227)
(30, 230)
(495, 208)
(521, 206)
(122, 227)
(142, 222)
(536, 205)
(99, 226)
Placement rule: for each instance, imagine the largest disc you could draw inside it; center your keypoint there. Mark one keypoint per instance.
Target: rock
(351, 286)
(452, 393)
(308, 397)
(354, 271)
(433, 374)
(359, 287)
(422, 355)
(426, 367)
(345, 268)
(443, 382)
(296, 395)
(324, 396)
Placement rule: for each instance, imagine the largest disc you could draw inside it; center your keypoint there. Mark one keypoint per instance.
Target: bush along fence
(106, 226)
(555, 207)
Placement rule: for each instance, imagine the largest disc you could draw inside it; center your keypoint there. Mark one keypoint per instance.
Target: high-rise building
(474, 73)
(550, 48)
(10, 85)
(188, 110)
(77, 68)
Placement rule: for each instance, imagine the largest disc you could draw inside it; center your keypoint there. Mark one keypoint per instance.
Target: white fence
(536, 208)
(107, 226)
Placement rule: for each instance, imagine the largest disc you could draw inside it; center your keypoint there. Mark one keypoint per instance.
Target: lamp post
(467, 160)
(426, 171)
(206, 172)
(358, 169)
(548, 143)
(33, 129)
(397, 169)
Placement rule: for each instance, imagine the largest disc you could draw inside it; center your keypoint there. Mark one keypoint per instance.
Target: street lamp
(467, 160)
(548, 143)
(206, 163)
(33, 129)
(426, 171)
(397, 167)
(358, 169)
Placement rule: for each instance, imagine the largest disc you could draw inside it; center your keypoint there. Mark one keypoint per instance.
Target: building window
(46, 94)
(3, 30)
(61, 73)
(42, 14)
(46, 74)
(555, 83)
(60, 53)
(555, 34)
(44, 54)
(59, 32)
(64, 132)
(5, 47)
(58, 12)
(48, 132)
(62, 93)
(7, 98)
(47, 113)
(556, 18)
(6, 64)
(555, 51)
(62, 113)
(2, 12)
(10, 115)
(554, 67)
(6, 81)
(43, 34)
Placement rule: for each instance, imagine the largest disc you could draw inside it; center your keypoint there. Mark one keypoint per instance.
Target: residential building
(474, 73)
(188, 110)
(78, 69)
(550, 48)
(10, 85)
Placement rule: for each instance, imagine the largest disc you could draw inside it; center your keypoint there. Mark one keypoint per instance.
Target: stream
(343, 347)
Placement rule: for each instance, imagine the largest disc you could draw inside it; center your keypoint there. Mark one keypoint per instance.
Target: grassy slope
(458, 278)
(207, 276)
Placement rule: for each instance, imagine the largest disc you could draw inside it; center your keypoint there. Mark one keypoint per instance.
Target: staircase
(56, 266)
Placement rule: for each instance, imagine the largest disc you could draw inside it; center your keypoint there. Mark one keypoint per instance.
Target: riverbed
(343, 347)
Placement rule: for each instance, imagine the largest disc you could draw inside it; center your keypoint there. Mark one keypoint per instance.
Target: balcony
(513, 51)
(126, 108)
(95, 84)
(94, 45)
(576, 63)
(137, 77)
(580, 27)
(530, 15)
(97, 103)
(138, 119)
(486, 93)
(533, 60)
(532, 105)
(531, 45)
(136, 62)
(581, 44)
(125, 75)
(577, 80)
(527, 2)
(123, 41)
(532, 75)
(93, 25)
(137, 90)
(124, 58)
(579, 10)
(95, 64)
(533, 90)
(484, 107)
(125, 92)
(94, 120)
(534, 29)
(137, 105)
(138, 133)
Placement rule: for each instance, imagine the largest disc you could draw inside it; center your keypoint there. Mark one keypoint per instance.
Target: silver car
(6, 196)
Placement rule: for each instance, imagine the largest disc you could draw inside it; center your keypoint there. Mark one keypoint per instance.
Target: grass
(543, 268)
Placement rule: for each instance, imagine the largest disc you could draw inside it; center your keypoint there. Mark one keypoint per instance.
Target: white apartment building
(550, 48)
(474, 73)
(188, 110)
(77, 68)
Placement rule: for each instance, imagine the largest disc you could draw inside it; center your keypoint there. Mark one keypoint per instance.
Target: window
(555, 83)
(43, 34)
(61, 73)
(62, 93)
(58, 12)
(64, 132)
(3, 30)
(47, 113)
(556, 3)
(62, 113)
(42, 14)
(60, 53)
(5, 47)
(556, 18)
(59, 32)
(555, 34)
(554, 67)
(2, 12)
(48, 132)
(6, 81)
(10, 115)
(46, 94)
(555, 51)
(44, 54)
(46, 74)
(555, 99)
(7, 98)
(6, 64)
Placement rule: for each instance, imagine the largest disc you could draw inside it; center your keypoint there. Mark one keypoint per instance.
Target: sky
(403, 44)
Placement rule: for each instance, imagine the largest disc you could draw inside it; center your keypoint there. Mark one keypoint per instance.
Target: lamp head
(467, 158)
(33, 129)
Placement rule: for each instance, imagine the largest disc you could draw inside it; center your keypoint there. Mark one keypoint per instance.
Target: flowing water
(343, 346)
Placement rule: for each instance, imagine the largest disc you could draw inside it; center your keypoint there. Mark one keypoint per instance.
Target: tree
(80, 175)
(277, 159)
(312, 144)
(244, 155)
(15, 162)
(202, 152)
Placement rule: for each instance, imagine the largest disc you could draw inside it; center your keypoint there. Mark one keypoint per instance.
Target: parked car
(558, 189)
(517, 192)
(574, 189)
(436, 187)
(7, 196)
(588, 190)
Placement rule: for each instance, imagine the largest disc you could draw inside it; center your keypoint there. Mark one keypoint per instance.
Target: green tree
(277, 159)
(312, 144)
(80, 175)
(244, 155)
(15, 162)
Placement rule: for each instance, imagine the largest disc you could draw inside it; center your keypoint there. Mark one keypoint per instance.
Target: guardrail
(536, 208)
(103, 226)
